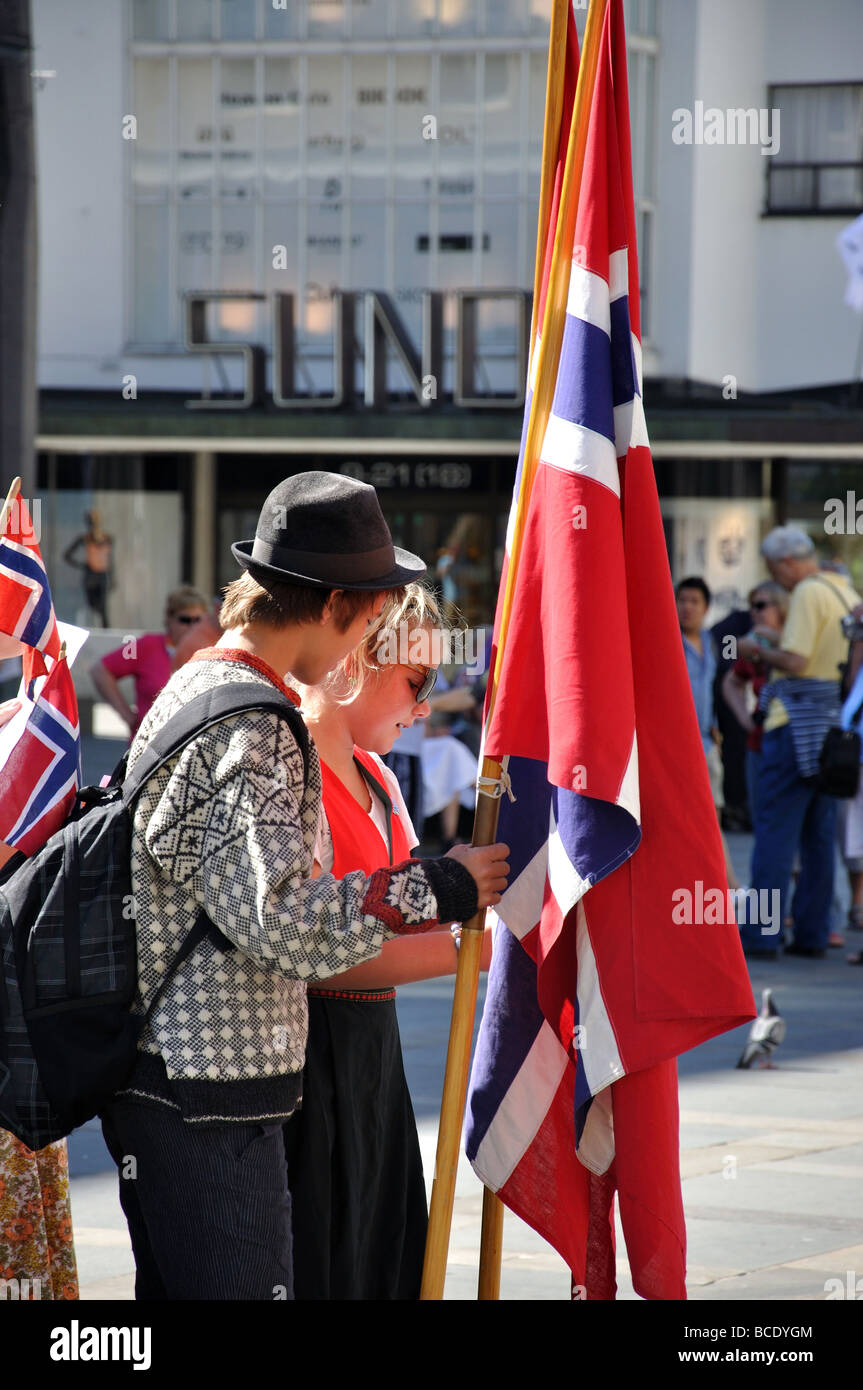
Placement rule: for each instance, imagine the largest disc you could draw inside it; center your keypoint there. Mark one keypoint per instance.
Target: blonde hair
(775, 593)
(185, 597)
(415, 606)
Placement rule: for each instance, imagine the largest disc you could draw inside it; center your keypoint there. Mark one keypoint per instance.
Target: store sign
(384, 332)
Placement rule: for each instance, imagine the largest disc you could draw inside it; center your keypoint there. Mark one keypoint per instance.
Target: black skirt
(354, 1166)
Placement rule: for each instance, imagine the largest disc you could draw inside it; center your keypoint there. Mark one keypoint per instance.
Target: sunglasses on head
(186, 619)
(428, 684)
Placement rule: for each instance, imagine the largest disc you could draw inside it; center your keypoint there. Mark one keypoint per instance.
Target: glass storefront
(113, 536)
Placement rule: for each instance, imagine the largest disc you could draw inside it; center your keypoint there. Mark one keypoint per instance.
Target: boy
(230, 828)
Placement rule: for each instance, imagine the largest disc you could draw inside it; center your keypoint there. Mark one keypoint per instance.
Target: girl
(354, 1161)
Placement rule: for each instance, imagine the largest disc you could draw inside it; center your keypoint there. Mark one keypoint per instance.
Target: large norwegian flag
(26, 610)
(40, 778)
(594, 989)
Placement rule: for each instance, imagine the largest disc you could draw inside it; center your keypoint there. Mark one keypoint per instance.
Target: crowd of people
(793, 670)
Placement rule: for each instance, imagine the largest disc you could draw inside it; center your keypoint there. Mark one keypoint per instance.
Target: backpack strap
(202, 928)
(202, 712)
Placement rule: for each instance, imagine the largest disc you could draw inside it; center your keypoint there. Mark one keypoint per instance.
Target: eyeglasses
(762, 603)
(428, 684)
(186, 619)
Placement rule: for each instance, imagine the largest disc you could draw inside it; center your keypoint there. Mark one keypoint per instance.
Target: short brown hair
(247, 600)
(185, 597)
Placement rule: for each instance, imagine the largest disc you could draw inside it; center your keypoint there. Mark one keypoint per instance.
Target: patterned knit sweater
(229, 827)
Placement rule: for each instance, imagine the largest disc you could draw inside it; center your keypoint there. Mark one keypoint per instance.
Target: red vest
(357, 842)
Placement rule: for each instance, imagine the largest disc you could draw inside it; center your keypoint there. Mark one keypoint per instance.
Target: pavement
(772, 1160)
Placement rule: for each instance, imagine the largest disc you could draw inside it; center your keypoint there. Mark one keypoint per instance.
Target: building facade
(280, 236)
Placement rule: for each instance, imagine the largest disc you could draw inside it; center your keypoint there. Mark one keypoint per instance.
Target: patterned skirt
(36, 1221)
(354, 1166)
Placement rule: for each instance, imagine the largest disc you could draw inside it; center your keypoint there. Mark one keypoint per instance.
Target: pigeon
(765, 1035)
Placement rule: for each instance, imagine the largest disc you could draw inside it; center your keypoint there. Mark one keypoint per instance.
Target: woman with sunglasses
(768, 606)
(147, 659)
(356, 1174)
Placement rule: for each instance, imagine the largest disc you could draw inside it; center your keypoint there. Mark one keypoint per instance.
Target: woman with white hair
(800, 703)
(359, 1206)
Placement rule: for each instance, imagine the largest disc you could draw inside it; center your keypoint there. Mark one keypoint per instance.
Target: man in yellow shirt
(802, 701)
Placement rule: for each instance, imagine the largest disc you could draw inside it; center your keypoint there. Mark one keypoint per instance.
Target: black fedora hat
(326, 531)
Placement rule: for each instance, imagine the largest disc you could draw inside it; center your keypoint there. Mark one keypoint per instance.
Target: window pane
(458, 17)
(370, 112)
(370, 18)
(539, 17)
(196, 132)
(281, 23)
(368, 259)
(195, 19)
(237, 126)
(238, 19)
(840, 188)
(325, 121)
(457, 124)
(413, 160)
(456, 259)
(326, 18)
(151, 169)
(194, 260)
(281, 229)
(501, 115)
(412, 259)
(150, 260)
(281, 135)
(323, 257)
(150, 19)
(415, 17)
(500, 224)
(791, 188)
(505, 17)
(535, 121)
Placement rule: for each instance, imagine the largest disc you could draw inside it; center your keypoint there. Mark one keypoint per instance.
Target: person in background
(851, 811)
(197, 636)
(801, 703)
(735, 813)
(359, 1207)
(768, 607)
(693, 601)
(147, 659)
(97, 565)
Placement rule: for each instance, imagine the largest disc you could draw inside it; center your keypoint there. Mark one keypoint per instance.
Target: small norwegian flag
(41, 776)
(26, 610)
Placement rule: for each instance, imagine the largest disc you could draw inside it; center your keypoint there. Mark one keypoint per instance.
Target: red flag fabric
(598, 981)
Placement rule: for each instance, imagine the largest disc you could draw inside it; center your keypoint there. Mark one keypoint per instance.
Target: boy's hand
(488, 866)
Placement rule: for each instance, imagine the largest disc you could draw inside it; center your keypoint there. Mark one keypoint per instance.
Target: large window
(277, 151)
(819, 165)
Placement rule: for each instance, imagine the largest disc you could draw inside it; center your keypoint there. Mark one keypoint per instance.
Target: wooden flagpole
(491, 1239)
(14, 489)
(486, 816)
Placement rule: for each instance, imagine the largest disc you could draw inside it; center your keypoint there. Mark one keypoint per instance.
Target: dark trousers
(209, 1209)
(790, 816)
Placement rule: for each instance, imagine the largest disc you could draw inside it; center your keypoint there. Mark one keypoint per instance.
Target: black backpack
(68, 952)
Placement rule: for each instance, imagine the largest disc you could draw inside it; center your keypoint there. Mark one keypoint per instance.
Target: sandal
(834, 939)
